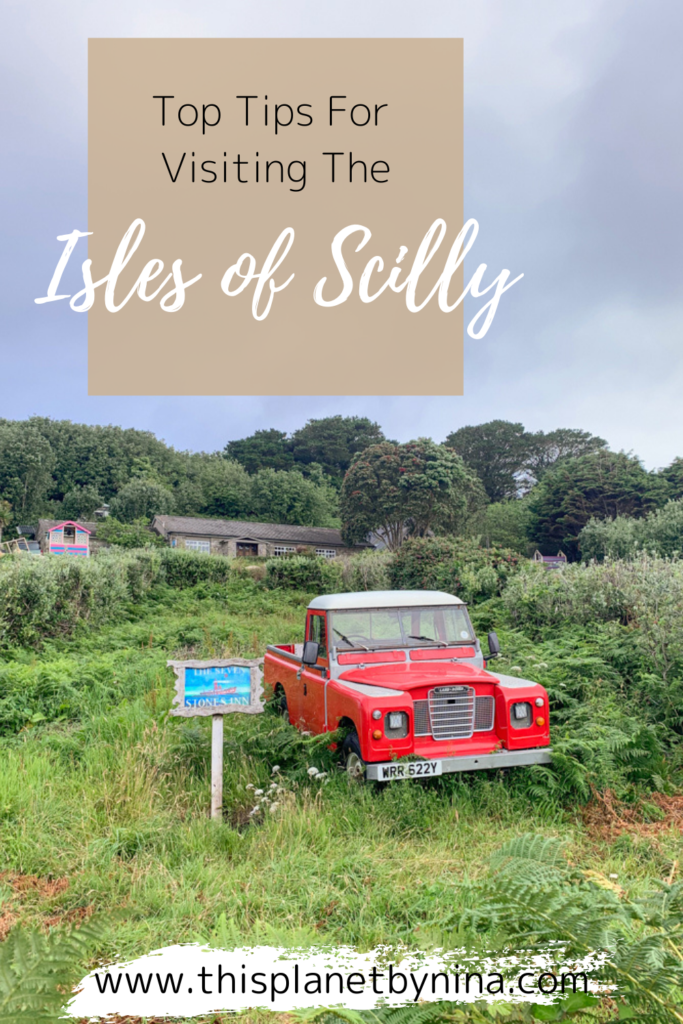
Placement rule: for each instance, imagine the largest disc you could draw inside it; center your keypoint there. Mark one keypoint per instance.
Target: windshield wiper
(430, 638)
(349, 642)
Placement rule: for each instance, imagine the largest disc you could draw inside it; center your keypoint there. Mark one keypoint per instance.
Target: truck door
(314, 677)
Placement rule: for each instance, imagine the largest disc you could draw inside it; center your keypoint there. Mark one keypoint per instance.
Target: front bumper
(500, 759)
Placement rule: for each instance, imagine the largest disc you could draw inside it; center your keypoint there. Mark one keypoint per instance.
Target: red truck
(403, 673)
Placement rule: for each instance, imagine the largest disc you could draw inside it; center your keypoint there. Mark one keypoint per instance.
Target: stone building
(235, 538)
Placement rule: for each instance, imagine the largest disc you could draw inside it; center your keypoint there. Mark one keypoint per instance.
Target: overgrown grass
(104, 797)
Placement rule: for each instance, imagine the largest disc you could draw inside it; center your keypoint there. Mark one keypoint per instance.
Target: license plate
(408, 770)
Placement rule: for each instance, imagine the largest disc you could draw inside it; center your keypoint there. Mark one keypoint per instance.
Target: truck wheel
(281, 703)
(352, 759)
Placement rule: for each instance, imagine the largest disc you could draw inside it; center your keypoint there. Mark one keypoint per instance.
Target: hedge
(299, 572)
(453, 564)
(48, 596)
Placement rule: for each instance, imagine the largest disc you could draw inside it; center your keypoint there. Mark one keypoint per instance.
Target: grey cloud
(573, 168)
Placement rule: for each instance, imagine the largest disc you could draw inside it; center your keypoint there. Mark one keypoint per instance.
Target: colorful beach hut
(68, 538)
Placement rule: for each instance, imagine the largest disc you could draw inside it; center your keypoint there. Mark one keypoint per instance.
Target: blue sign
(217, 686)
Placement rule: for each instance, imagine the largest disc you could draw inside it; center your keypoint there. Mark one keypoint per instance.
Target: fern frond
(37, 970)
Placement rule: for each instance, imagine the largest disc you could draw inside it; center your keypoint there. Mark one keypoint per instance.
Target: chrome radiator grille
(451, 712)
(483, 714)
(451, 720)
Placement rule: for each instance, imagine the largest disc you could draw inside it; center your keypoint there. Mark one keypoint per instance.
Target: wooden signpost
(217, 688)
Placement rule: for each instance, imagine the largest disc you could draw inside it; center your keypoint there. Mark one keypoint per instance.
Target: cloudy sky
(573, 168)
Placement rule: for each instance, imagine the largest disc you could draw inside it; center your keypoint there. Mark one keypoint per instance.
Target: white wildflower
(275, 768)
(250, 785)
(321, 775)
(258, 792)
(312, 771)
(273, 808)
(614, 876)
(515, 668)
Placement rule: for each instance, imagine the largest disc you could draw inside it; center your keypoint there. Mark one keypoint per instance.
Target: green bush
(455, 565)
(660, 532)
(43, 597)
(128, 535)
(645, 594)
(182, 569)
(301, 573)
(47, 597)
(369, 570)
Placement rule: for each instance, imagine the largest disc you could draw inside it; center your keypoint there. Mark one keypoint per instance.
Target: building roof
(383, 599)
(550, 558)
(321, 536)
(45, 525)
(70, 522)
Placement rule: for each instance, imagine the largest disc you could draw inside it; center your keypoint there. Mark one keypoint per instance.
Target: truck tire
(352, 759)
(278, 705)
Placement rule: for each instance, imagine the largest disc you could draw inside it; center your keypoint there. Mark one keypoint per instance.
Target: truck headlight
(376, 714)
(539, 702)
(396, 725)
(520, 715)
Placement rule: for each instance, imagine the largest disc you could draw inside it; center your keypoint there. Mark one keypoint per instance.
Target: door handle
(305, 689)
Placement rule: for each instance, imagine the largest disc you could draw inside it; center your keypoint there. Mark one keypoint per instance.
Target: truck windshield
(401, 627)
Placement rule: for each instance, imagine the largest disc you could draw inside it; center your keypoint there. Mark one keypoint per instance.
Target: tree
(265, 449)
(278, 496)
(673, 475)
(396, 489)
(546, 450)
(333, 441)
(436, 487)
(214, 486)
(104, 457)
(141, 499)
(329, 443)
(601, 485)
(5, 515)
(506, 525)
(81, 502)
(471, 521)
(508, 458)
(128, 535)
(496, 451)
(26, 463)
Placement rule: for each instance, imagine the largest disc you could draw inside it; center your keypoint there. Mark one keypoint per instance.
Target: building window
(199, 545)
(174, 542)
(69, 534)
(326, 552)
(282, 549)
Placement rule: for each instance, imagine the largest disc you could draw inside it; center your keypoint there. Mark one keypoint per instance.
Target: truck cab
(403, 673)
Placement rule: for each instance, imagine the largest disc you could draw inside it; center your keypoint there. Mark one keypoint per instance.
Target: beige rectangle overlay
(214, 345)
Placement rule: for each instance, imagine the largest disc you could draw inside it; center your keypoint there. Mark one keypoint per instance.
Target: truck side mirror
(494, 645)
(310, 655)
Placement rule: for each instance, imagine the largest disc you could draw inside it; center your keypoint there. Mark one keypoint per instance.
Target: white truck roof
(383, 599)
